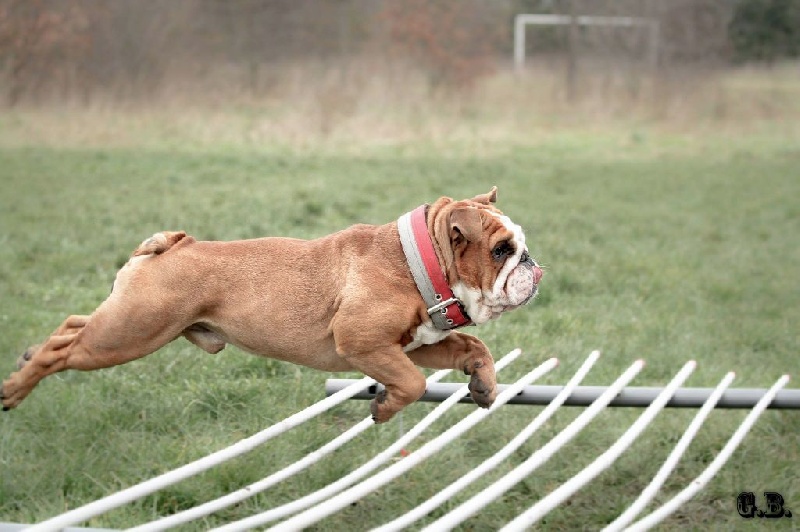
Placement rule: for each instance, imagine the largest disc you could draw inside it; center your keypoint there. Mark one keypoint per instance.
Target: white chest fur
(424, 335)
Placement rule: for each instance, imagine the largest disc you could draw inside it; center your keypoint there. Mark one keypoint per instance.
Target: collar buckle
(443, 305)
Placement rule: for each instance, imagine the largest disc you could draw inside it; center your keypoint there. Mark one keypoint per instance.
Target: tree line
(128, 49)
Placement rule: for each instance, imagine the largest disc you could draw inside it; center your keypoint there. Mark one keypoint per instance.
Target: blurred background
(399, 70)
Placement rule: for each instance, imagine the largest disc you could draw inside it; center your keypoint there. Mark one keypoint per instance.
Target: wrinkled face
(494, 269)
(519, 275)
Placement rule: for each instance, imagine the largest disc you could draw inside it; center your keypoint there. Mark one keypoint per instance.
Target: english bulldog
(377, 299)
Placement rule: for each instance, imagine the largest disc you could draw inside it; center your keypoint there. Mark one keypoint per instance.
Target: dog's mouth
(537, 277)
(522, 284)
(497, 310)
(520, 288)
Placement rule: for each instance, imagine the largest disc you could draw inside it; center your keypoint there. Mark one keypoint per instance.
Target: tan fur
(342, 302)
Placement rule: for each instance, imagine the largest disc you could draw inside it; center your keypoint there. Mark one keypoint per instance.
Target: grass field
(659, 246)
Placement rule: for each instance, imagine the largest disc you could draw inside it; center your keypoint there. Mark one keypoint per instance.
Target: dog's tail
(159, 243)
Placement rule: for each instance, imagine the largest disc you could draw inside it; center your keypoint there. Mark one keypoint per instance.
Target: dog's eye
(502, 250)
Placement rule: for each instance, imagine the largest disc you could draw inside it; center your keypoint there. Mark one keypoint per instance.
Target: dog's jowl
(377, 299)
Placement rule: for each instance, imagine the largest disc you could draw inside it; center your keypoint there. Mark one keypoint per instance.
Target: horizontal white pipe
(582, 20)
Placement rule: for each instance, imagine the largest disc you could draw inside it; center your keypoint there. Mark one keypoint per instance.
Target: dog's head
(484, 254)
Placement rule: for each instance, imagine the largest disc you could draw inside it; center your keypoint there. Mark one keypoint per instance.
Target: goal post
(523, 20)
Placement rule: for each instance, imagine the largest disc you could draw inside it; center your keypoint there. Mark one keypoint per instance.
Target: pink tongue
(537, 274)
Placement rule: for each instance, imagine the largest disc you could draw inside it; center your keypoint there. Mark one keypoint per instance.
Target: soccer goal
(522, 21)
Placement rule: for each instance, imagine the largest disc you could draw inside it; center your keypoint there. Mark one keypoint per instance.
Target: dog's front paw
(483, 384)
(380, 413)
(481, 392)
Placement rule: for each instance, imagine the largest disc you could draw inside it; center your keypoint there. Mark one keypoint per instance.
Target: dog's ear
(486, 199)
(465, 223)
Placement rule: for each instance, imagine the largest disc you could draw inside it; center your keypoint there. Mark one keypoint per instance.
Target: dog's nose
(537, 274)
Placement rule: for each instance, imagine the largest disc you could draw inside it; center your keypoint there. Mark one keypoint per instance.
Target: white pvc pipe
(147, 487)
(378, 460)
(582, 20)
(489, 464)
(269, 481)
(602, 462)
(705, 477)
(478, 501)
(672, 460)
(334, 504)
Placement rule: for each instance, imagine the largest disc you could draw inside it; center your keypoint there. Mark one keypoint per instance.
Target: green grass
(659, 247)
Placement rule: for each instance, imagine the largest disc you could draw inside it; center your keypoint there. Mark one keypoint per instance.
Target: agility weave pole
(125, 496)
(330, 499)
(328, 491)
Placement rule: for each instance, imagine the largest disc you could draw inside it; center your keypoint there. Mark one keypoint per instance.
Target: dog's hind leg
(108, 338)
(131, 323)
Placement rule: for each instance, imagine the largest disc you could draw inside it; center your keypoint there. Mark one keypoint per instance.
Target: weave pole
(524, 435)
(147, 487)
(336, 496)
(705, 477)
(334, 504)
(269, 481)
(655, 398)
(321, 495)
(672, 460)
(604, 461)
(496, 490)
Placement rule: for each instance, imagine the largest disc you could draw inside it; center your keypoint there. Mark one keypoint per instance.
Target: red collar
(444, 308)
